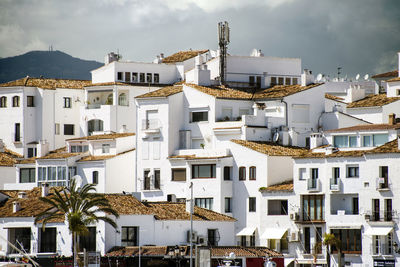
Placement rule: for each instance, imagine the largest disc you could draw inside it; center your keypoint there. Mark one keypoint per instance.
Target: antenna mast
(339, 72)
(223, 41)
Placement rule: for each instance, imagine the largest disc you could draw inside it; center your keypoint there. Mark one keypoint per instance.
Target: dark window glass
(277, 207)
(355, 205)
(227, 173)
(17, 134)
(157, 179)
(67, 102)
(3, 102)
(203, 171)
(273, 81)
(21, 238)
(129, 236)
(258, 85)
(251, 80)
(88, 241)
(149, 77)
(146, 180)
(350, 240)
(127, 77)
(30, 101)
(252, 204)
(313, 207)
(388, 209)
(206, 203)
(252, 173)
(178, 174)
(228, 204)
(253, 240)
(141, 75)
(134, 77)
(27, 175)
(16, 101)
(352, 172)
(200, 116)
(69, 129)
(212, 235)
(307, 241)
(119, 76)
(95, 177)
(156, 78)
(242, 173)
(48, 240)
(32, 151)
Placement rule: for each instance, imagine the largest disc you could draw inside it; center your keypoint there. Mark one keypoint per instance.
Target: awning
(273, 233)
(379, 230)
(345, 226)
(246, 231)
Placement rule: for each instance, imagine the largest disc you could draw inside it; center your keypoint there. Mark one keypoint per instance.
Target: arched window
(15, 101)
(122, 99)
(95, 177)
(242, 173)
(3, 102)
(95, 126)
(110, 99)
(252, 173)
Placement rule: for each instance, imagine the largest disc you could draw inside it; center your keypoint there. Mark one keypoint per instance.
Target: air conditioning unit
(194, 236)
(294, 236)
(202, 240)
(294, 216)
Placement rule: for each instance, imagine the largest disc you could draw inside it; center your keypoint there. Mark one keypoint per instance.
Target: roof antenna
(223, 41)
(339, 72)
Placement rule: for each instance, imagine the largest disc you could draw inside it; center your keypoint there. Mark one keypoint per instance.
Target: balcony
(382, 184)
(334, 184)
(151, 126)
(313, 185)
(382, 250)
(379, 216)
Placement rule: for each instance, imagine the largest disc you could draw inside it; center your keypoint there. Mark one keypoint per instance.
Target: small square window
(119, 76)
(294, 80)
(67, 102)
(30, 101)
(141, 76)
(252, 204)
(69, 129)
(352, 171)
(199, 116)
(287, 81)
(105, 148)
(398, 92)
(149, 77)
(273, 81)
(156, 78)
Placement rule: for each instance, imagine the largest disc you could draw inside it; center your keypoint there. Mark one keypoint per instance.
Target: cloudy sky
(361, 36)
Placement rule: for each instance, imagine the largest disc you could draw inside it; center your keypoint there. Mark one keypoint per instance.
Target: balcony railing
(380, 216)
(151, 124)
(334, 184)
(382, 183)
(381, 250)
(313, 185)
(151, 184)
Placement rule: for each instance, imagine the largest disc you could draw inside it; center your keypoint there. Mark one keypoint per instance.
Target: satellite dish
(232, 255)
(276, 137)
(319, 77)
(78, 180)
(366, 77)
(357, 76)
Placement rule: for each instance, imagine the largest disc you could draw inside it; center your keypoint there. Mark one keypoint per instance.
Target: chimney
(307, 77)
(392, 119)
(315, 140)
(42, 148)
(123, 129)
(45, 189)
(16, 206)
(22, 194)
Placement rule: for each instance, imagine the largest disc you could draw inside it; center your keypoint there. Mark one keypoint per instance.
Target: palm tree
(80, 206)
(331, 240)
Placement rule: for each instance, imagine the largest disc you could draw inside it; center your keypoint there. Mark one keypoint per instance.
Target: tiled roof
(222, 92)
(332, 97)
(8, 158)
(373, 101)
(389, 147)
(182, 56)
(394, 80)
(337, 154)
(47, 83)
(285, 186)
(366, 127)
(102, 136)
(394, 73)
(108, 83)
(97, 158)
(61, 155)
(280, 91)
(163, 92)
(196, 157)
(216, 252)
(271, 149)
(27, 161)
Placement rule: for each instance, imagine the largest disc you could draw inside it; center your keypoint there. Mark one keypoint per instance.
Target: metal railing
(313, 184)
(381, 249)
(151, 124)
(380, 216)
(334, 184)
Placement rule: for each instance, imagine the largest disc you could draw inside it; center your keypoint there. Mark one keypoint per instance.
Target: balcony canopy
(246, 231)
(382, 230)
(273, 233)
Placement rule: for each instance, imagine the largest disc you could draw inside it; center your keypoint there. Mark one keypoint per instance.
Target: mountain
(49, 64)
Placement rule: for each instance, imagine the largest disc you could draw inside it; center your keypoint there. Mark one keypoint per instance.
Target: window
(156, 78)
(141, 76)
(251, 81)
(243, 241)
(199, 116)
(353, 141)
(15, 101)
(3, 102)
(314, 173)
(95, 177)
(127, 77)
(227, 173)
(252, 204)
(277, 207)
(228, 204)
(252, 173)
(134, 77)
(105, 148)
(313, 207)
(352, 171)
(32, 152)
(273, 81)
(178, 175)
(318, 235)
(149, 77)
(388, 209)
(157, 177)
(119, 76)
(380, 139)
(213, 237)
(67, 102)
(48, 240)
(280, 80)
(341, 141)
(350, 240)
(110, 99)
(95, 125)
(71, 172)
(294, 81)
(57, 129)
(79, 148)
(69, 129)
(27, 175)
(203, 171)
(242, 173)
(146, 179)
(355, 206)
(335, 175)
(398, 92)
(375, 210)
(20, 238)
(30, 101)
(206, 203)
(287, 81)
(88, 241)
(17, 134)
(253, 240)
(122, 99)
(307, 240)
(302, 173)
(129, 236)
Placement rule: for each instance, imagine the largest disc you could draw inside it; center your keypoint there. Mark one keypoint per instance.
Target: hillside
(50, 64)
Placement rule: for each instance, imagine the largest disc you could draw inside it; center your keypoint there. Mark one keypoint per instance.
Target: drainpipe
(286, 112)
(136, 148)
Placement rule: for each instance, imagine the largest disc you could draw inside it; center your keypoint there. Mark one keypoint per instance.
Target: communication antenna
(357, 76)
(319, 77)
(223, 41)
(339, 72)
(366, 77)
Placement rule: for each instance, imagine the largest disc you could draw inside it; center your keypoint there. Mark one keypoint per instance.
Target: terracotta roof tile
(271, 149)
(163, 92)
(394, 80)
(8, 158)
(196, 157)
(183, 55)
(61, 155)
(240, 251)
(285, 186)
(134, 251)
(366, 127)
(335, 98)
(47, 83)
(337, 154)
(97, 158)
(280, 91)
(373, 101)
(27, 161)
(102, 136)
(222, 92)
(389, 147)
(394, 73)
